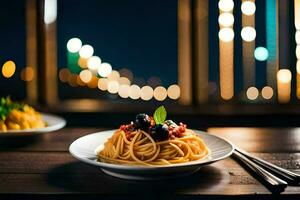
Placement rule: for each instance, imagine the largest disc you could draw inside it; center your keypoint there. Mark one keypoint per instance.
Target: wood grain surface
(41, 167)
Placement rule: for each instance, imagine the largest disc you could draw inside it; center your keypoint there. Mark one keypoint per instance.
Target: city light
(8, 69)
(160, 93)
(226, 19)
(284, 75)
(86, 76)
(173, 91)
(226, 34)
(124, 81)
(267, 92)
(248, 34)
(135, 92)
(82, 62)
(252, 93)
(124, 91)
(86, 51)
(118, 82)
(93, 64)
(146, 93)
(102, 84)
(93, 83)
(226, 5)
(113, 87)
(105, 69)
(248, 8)
(74, 45)
(114, 76)
(50, 11)
(261, 54)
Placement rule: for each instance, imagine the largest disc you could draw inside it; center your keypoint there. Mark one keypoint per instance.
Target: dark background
(138, 35)
(13, 46)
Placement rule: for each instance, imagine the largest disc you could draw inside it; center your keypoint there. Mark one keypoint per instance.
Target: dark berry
(142, 121)
(159, 132)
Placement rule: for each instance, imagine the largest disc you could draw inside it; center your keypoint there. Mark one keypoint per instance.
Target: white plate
(84, 150)
(53, 123)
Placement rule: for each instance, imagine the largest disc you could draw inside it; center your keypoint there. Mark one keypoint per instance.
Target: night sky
(138, 35)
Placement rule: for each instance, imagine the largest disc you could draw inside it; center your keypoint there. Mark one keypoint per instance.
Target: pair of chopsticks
(275, 178)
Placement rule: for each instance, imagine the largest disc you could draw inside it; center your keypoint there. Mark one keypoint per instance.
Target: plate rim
(148, 168)
(35, 131)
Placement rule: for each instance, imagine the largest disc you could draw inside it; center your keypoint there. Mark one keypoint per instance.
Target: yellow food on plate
(17, 116)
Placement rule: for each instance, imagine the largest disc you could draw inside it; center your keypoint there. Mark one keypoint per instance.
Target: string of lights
(86, 69)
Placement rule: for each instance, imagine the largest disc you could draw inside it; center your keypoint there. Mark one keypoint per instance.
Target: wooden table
(41, 167)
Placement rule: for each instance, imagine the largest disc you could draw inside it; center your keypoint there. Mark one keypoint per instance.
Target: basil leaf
(160, 115)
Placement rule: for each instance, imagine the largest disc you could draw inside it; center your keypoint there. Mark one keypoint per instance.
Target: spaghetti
(133, 146)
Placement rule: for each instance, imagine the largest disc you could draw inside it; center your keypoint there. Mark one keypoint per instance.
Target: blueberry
(142, 121)
(159, 132)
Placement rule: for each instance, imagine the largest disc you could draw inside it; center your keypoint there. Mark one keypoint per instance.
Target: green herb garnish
(6, 106)
(160, 115)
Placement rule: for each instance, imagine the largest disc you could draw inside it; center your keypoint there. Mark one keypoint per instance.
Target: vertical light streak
(31, 48)
(50, 11)
(226, 70)
(284, 77)
(226, 49)
(248, 47)
(184, 52)
(201, 50)
(271, 39)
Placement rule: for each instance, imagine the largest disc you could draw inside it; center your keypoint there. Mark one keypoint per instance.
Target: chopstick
(273, 183)
(286, 175)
